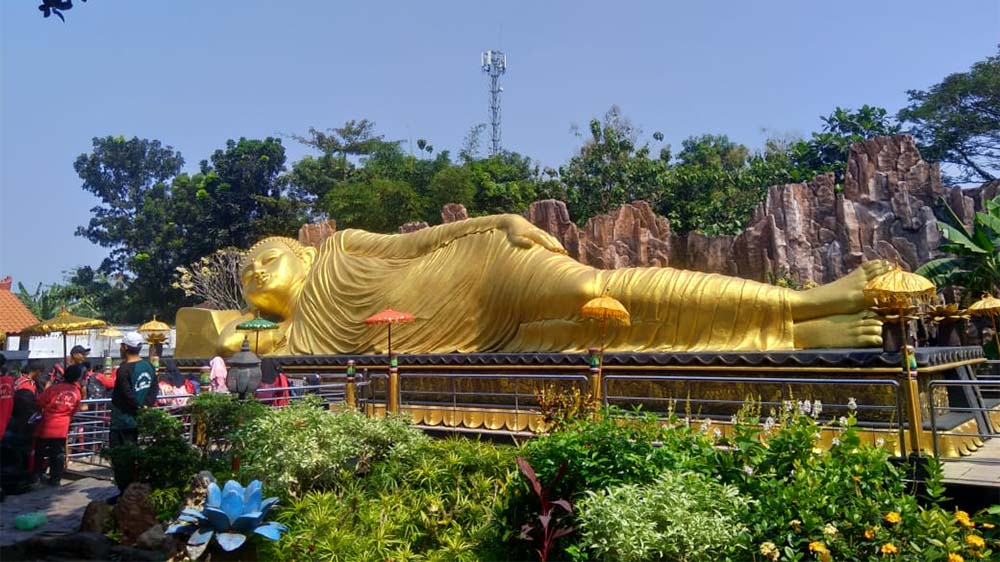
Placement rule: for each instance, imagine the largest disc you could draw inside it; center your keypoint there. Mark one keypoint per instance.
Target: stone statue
(499, 283)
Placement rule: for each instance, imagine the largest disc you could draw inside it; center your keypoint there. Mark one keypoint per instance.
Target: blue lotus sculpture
(229, 515)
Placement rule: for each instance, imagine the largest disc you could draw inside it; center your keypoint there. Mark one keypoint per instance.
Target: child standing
(58, 404)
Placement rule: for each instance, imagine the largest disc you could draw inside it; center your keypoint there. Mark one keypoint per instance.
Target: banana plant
(974, 260)
(229, 515)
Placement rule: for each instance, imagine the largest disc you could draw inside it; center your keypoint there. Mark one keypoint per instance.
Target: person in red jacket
(58, 404)
(6, 395)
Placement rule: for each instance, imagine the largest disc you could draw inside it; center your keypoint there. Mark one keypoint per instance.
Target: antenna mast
(494, 64)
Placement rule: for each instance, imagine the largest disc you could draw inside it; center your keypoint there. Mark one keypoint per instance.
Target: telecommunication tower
(494, 64)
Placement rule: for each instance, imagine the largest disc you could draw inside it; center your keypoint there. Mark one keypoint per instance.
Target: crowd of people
(37, 407)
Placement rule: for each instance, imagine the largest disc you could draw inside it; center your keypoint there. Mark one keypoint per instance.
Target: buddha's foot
(843, 296)
(842, 330)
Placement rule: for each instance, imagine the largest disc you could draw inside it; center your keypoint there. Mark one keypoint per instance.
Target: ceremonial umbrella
(988, 305)
(389, 317)
(154, 330)
(605, 309)
(110, 333)
(896, 289)
(257, 325)
(64, 322)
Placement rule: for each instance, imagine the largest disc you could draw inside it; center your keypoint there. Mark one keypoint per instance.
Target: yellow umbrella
(154, 330)
(606, 309)
(988, 305)
(110, 333)
(64, 322)
(898, 289)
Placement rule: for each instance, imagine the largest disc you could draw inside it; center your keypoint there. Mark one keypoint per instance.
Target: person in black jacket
(135, 388)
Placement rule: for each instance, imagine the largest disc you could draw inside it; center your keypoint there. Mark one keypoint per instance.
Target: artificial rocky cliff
(810, 231)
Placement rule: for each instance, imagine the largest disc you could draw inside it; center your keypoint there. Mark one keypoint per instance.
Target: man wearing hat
(135, 388)
(77, 355)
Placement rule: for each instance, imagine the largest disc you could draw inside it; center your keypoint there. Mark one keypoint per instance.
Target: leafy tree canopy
(958, 121)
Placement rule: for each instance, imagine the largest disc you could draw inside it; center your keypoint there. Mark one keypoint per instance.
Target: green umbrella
(257, 325)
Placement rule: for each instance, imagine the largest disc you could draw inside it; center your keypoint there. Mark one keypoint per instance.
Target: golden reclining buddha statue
(501, 284)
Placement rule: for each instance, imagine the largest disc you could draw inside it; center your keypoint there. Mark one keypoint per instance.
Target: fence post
(349, 396)
(913, 414)
(595, 375)
(393, 390)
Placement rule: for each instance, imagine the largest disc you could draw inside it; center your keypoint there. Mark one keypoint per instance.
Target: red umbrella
(389, 317)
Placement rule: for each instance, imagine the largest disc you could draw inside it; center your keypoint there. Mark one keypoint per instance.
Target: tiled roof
(14, 316)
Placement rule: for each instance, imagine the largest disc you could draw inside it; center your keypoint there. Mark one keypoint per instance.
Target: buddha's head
(273, 273)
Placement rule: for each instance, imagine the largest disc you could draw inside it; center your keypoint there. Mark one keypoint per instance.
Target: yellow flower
(962, 518)
(818, 547)
(975, 541)
(889, 549)
(955, 558)
(988, 525)
(770, 551)
(869, 534)
(893, 517)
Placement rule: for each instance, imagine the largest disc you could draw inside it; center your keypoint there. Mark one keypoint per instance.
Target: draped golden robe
(478, 292)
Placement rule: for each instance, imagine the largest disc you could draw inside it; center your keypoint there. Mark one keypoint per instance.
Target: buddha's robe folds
(478, 292)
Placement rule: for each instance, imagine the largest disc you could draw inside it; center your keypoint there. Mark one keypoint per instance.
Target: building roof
(14, 316)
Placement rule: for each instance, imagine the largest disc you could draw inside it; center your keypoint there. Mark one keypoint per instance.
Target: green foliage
(974, 263)
(163, 457)
(219, 416)
(827, 150)
(958, 120)
(680, 516)
(304, 448)
(610, 169)
(615, 449)
(167, 502)
(436, 503)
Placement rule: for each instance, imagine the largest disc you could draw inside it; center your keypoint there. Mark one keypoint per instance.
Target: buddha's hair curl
(303, 252)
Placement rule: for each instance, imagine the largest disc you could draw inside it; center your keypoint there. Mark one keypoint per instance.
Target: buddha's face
(272, 278)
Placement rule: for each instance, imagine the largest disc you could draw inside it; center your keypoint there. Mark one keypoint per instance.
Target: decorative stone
(152, 538)
(134, 512)
(452, 212)
(314, 233)
(96, 517)
(412, 227)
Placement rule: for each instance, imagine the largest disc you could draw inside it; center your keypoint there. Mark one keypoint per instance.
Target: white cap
(133, 340)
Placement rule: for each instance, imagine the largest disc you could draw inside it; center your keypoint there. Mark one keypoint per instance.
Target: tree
(958, 121)
(827, 150)
(120, 173)
(56, 7)
(377, 205)
(609, 170)
(214, 280)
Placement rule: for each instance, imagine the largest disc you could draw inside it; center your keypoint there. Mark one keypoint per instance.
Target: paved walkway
(981, 468)
(63, 506)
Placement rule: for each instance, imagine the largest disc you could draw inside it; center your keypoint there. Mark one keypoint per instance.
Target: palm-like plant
(974, 260)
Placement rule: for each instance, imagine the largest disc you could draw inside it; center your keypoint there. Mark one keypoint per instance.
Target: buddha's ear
(309, 256)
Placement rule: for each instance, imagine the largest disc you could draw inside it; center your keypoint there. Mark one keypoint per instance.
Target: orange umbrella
(389, 317)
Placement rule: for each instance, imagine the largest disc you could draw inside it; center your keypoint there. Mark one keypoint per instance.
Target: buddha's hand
(523, 234)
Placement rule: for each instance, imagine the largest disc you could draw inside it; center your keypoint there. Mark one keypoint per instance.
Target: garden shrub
(163, 457)
(681, 516)
(437, 503)
(303, 447)
(617, 448)
(217, 417)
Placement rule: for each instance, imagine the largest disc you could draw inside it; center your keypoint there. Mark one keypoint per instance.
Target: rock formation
(811, 232)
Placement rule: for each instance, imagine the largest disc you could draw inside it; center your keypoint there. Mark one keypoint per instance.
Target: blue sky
(193, 74)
